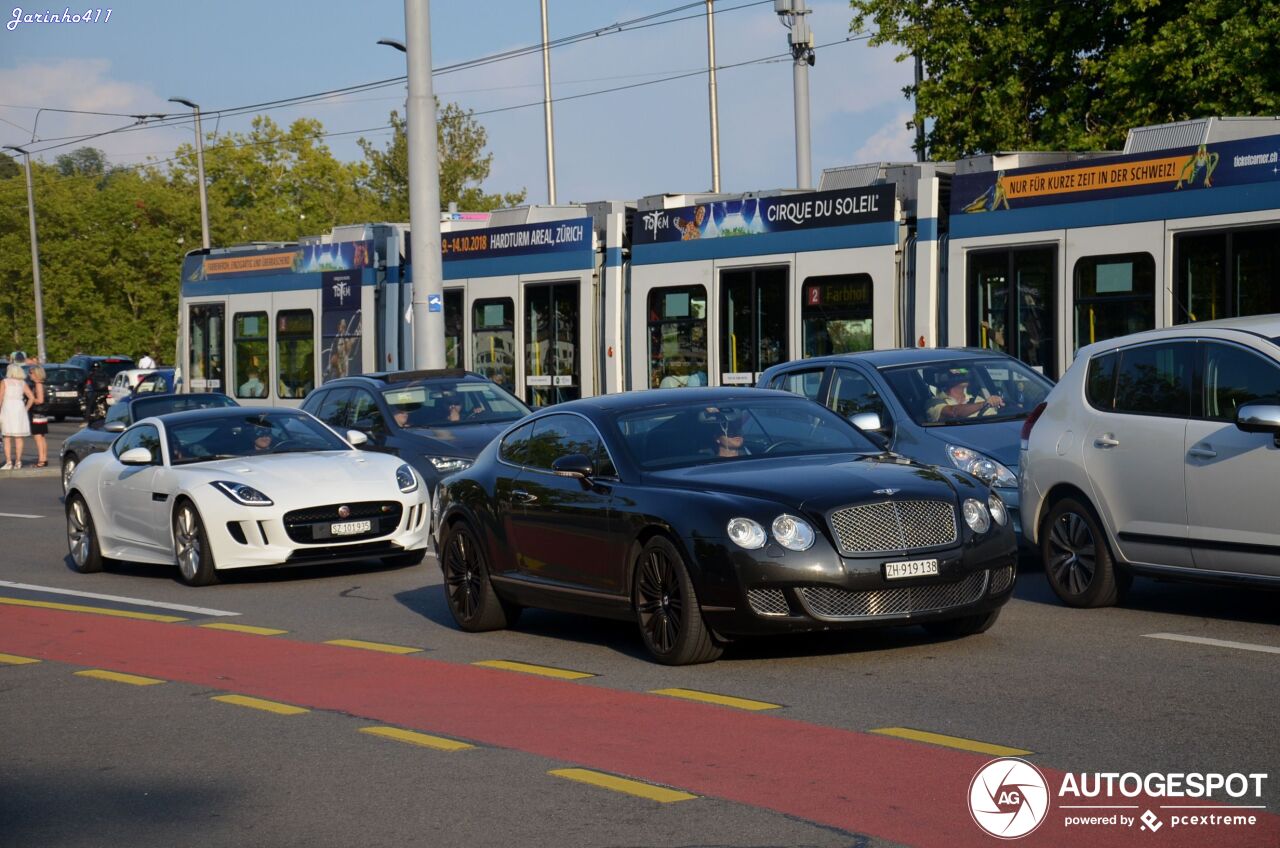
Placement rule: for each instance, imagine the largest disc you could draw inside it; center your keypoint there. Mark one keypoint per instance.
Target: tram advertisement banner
(340, 324)
(304, 259)
(518, 240)
(1164, 171)
(750, 216)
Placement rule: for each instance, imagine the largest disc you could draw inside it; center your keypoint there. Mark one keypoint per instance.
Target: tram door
(552, 367)
(206, 342)
(753, 323)
(1013, 304)
(454, 340)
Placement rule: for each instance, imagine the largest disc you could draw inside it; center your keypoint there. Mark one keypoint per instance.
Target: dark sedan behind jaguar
(705, 514)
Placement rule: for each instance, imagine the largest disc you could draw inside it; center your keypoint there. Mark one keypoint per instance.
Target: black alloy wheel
(474, 604)
(1077, 559)
(667, 608)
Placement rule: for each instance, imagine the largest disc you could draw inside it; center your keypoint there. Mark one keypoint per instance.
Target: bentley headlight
(983, 467)
(406, 479)
(976, 515)
(793, 533)
(996, 506)
(746, 533)
(242, 494)
(449, 464)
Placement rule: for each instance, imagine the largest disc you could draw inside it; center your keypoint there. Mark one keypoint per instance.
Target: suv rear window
(1100, 383)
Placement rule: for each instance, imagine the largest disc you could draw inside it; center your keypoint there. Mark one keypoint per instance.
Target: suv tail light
(1031, 422)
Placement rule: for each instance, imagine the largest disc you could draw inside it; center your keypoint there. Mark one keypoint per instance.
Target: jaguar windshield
(967, 391)
(206, 438)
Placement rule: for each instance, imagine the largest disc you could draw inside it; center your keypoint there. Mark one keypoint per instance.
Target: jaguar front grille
(894, 526)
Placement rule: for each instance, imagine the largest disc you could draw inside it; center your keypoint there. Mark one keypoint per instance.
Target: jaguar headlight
(793, 533)
(996, 507)
(406, 479)
(983, 467)
(746, 533)
(242, 494)
(449, 464)
(976, 515)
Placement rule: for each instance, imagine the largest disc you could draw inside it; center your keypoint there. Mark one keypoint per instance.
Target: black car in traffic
(62, 386)
(99, 372)
(437, 420)
(705, 514)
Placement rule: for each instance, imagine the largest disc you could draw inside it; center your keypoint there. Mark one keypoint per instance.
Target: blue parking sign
(435, 303)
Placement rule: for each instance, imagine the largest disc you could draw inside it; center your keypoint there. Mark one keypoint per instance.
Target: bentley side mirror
(1259, 418)
(573, 465)
(136, 456)
(356, 438)
(114, 427)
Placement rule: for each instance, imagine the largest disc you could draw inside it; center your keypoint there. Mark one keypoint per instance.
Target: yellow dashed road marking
(373, 646)
(259, 704)
(713, 698)
(145, 616)
(11, 659)
(638, 788)
(426, 740)
(119, 677)
(544, 670)
(952, 741)
(245, 628)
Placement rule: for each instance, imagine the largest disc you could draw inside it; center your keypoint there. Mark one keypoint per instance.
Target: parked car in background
(1158, 455)
(161, 382)
(954, 407)
(437, 421)
(101, 433)
(99, 372)
(124, 383)
(704, 514)
(214, 489)
(62, 389)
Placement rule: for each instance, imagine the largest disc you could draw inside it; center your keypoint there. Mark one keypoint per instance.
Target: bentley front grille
(830, 602)
(1001, 579)
(894, 526)
(768, 602)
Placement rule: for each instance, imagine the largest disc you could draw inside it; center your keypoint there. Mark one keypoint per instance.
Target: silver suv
(1158, 454)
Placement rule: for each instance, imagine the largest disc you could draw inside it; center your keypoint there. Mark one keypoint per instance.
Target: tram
(1035, 254)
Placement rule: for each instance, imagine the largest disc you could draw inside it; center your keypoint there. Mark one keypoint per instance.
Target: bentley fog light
(996, 506)
(976, 515)
(792, 533)
(746, 533)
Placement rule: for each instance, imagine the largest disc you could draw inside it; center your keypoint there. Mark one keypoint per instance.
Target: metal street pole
(204, 199)
(920, 151)
(424, 192)
(711, 94)
(801, 41)
(35, 255)
(546, 109)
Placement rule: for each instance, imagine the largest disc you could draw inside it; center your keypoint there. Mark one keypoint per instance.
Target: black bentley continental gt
(705, 514)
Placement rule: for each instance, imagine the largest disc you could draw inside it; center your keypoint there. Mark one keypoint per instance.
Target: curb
(49, 471)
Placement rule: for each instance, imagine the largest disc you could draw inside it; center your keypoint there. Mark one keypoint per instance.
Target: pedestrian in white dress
(15, 425)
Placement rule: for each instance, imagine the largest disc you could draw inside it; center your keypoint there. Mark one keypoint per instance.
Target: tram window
(251, 353)
(836, 315)
(1115, 296)
(678, 337)
(1225, 274)
(1012, 307)
(753, 323)
(493, 340)
(205, 330)
(295, 352)
(454, 350)
(551, 343)
(1255, 267)
(1202, 272)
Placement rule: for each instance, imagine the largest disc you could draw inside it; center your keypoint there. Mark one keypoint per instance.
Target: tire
(472, 601)
(191, 547)
(406, 559)
(969, 625)
(69, 464)
(1077, 559)
(667, 609)
(82, 537)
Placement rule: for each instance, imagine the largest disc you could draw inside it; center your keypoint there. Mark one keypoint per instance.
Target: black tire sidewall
(206, 572)
(1102, 589)
(694, 643)
(491, 613)
(93, 563)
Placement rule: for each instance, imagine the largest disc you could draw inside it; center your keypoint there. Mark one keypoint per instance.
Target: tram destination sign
(1175, 172)
(519, 240)
(749, 216)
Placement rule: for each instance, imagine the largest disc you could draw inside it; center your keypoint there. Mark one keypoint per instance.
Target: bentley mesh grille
(894, 526)
(830, 602)
(768, 601)
(1001, 579)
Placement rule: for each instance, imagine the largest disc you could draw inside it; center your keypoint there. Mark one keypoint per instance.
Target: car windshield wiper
(210, 458)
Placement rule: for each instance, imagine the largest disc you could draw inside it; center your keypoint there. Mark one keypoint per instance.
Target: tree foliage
(1076, 74)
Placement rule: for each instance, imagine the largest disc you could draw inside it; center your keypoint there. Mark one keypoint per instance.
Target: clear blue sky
(617, 146)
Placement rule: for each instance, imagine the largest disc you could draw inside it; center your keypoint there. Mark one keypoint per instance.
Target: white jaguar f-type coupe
(216, 489)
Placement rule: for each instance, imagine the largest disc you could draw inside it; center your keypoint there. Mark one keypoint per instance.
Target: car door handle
(1203, 452)
(1105, 441)
(521, 496)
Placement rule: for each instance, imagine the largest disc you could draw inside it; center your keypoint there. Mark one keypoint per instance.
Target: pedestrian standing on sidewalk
(14, 425)
(39, 419)
(146, 361)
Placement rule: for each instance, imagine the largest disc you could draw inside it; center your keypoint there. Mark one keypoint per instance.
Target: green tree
(464, 166)
(83, 161)
(1076, 74)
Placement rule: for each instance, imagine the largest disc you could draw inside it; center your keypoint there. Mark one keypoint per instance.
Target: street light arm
(184, 102)
(391, 42)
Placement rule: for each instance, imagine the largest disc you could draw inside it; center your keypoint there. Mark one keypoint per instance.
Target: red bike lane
(902, 791)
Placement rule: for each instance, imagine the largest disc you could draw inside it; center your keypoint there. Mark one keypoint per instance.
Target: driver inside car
(953, 400)
(728, 441)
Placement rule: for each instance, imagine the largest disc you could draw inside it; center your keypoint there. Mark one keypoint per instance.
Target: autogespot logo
(1008, 798)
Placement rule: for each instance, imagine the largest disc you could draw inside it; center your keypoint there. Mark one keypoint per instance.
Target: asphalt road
(96, 762)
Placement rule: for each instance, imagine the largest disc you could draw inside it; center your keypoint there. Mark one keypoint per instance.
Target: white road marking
(18, 515)
(134, 601)
(1217, 643)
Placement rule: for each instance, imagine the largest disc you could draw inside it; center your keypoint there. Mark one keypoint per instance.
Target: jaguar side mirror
(573, 465)
(136, 456)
